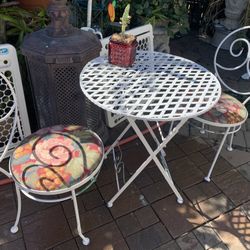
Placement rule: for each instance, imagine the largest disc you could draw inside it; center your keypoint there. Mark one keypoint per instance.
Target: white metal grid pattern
(144, 37)
(6, 113)
(158, 87)
(10, 68)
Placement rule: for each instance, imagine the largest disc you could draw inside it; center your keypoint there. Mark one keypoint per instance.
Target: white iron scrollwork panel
(239, 49)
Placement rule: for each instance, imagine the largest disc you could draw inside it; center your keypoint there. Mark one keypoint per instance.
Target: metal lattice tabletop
(158, 87)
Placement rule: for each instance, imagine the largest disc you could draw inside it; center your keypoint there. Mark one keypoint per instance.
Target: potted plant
(168, 17)
(122, 47)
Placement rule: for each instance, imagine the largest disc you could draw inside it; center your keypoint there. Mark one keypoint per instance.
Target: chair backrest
(98, 33)
(232, 61)
(8, 116)
(14, 122)
(144, 36)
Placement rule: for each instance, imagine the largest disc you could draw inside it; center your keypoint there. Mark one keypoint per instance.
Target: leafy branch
(20, 22)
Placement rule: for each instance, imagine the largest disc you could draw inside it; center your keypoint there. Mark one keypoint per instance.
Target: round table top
(158, 87)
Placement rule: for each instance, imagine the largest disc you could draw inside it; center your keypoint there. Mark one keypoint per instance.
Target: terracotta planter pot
(122, 54)
(34, 4)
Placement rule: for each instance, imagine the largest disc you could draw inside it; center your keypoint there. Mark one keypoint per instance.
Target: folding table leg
(130, 180)
(111, 148)
(152, 156)
(154, 136)
(162, 153)
(171, 127)
(152, 153)
(117, 140)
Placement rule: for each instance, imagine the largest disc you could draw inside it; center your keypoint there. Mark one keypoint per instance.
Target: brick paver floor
(214, 215)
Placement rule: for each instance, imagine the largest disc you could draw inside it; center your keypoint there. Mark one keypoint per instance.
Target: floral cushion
(228, 110)
(56, 157)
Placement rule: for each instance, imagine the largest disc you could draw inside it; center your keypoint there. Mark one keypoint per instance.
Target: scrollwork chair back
(239, 50)
(232, 69)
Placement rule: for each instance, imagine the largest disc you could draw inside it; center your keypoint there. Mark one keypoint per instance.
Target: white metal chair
(229, 113)
(144, 36)
(10, 68)
(50, 162)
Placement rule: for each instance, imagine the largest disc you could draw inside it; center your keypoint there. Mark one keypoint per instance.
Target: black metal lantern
(55, 57)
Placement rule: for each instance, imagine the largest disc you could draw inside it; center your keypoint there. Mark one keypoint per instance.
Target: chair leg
(229, 147)
(207, 178)
(202, 130)
(85, 240)
(14, 228)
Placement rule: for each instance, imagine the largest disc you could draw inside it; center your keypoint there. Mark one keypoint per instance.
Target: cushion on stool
(56, 157)
(227, 110)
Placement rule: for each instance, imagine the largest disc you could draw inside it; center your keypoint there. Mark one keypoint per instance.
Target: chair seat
(228, 110)
(56, 158)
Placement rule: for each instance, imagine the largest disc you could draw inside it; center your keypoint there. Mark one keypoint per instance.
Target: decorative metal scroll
(239, 51)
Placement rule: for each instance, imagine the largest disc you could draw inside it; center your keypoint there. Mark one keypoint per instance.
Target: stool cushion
(56, 157)
(227, 110)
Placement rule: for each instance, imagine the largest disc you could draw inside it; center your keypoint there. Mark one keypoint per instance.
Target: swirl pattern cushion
(56, 158)
(228, 110)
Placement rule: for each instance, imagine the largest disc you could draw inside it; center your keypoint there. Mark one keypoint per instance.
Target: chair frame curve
(230, 129)
(246, 62)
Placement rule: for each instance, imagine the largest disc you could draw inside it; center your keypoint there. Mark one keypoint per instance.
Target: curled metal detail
(245, 46)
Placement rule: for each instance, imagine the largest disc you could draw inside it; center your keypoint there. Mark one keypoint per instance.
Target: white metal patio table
(158, 87)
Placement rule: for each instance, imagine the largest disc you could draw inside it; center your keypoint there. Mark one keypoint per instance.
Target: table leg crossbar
(162, 152)
(152, 156)
(119, 167)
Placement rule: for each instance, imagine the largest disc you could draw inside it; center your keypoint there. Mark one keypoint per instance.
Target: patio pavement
(214, 215)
